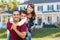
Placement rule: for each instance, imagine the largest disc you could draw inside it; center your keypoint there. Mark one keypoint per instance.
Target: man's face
(22, 16)
(16, 15)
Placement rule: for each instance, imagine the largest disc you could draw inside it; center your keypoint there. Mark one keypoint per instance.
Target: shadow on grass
(43, 32)
(3, 33)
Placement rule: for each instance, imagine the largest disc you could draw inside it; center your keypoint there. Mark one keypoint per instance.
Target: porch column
(43, 20)
(1, 17)
(52, 19)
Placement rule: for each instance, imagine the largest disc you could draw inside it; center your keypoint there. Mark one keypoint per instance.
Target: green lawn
(38, 34)
(3, 34)
(46, 34)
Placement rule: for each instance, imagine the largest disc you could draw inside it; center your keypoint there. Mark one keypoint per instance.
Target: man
(16, 32)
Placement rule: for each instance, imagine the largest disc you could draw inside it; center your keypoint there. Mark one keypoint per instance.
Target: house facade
(4, 17)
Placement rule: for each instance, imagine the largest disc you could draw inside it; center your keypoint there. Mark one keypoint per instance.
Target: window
(57, 19)
(50, 20)
(58, 7)
(40, 8)
(22, 8)
(50, 8)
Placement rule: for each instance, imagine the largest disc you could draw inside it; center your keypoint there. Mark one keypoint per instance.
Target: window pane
(22, 8)
(40, 8)
(58, 7)
(50, 20)
(50, 7)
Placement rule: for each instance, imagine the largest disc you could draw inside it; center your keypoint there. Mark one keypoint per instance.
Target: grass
(38, 34)
(49, 26)
(46, 34)
(3, 34)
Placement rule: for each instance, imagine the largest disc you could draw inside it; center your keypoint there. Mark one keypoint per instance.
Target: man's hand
(14, 27)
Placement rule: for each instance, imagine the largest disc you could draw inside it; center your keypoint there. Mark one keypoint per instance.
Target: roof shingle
(39, 1)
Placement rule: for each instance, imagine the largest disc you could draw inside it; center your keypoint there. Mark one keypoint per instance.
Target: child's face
(22, 16)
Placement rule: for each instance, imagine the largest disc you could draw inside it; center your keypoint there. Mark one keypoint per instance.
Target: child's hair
(23, 11)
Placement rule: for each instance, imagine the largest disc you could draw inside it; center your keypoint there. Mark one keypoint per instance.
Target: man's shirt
(13, 34)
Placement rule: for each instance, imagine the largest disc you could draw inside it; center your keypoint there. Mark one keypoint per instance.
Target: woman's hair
(33, 12)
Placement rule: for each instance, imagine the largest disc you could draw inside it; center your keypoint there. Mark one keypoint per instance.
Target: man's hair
(23, 11)
(14, 11)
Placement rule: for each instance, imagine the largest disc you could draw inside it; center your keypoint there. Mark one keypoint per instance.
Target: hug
(21, 23)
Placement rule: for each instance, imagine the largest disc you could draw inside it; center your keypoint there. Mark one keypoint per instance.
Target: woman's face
(29, 9)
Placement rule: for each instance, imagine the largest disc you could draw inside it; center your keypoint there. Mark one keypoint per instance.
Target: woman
(31, 17)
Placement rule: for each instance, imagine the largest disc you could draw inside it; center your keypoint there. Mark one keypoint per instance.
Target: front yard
(38, 34)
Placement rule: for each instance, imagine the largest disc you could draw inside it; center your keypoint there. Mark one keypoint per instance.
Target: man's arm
(21, 33)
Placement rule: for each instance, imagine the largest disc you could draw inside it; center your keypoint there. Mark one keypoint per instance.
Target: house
(4, 17)
(48, 11)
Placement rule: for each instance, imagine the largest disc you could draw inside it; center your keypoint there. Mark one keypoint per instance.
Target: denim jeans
(8, 36)
(28, 36)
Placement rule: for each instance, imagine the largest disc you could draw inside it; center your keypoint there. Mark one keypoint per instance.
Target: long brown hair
(33, 12)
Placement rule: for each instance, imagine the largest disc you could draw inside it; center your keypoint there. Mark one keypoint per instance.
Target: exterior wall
(44, 5)
(54, 17)
(4, 17)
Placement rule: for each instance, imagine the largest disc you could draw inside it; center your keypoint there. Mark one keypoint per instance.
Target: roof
(39, 1)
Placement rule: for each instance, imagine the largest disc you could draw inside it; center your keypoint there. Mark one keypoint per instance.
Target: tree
(15, 2)
(3, 1)
(11, 5)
